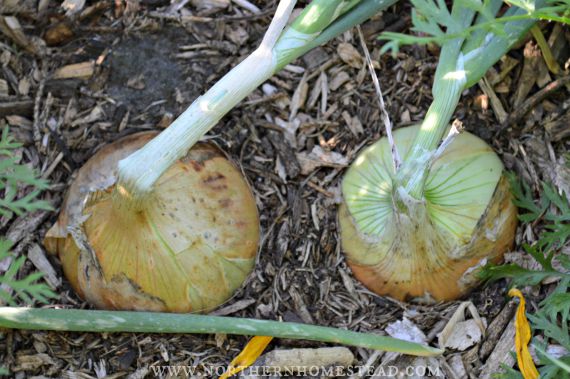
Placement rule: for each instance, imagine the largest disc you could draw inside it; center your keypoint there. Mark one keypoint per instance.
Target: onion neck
(138, 172)
(413, 173)
(319, 22)
(450, 80)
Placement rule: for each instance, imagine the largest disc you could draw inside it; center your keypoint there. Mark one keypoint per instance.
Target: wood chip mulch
(75, 75)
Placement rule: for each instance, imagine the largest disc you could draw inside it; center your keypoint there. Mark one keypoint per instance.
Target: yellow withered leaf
(248, 355)
(522, 338)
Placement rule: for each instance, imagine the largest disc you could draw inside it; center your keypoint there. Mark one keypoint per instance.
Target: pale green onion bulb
(428, 249)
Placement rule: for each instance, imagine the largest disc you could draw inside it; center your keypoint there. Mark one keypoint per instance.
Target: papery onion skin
(188, 248)
(430, 251)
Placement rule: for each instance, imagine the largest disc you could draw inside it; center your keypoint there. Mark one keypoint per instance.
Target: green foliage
(521, 276)
(553, 207)
(551, 328)
(558, 303)
(524, 200)
(14, 177)
(553, 315)
(508, 373)
(559, 226)
(27, 289)
(560, 369)
(433, 20)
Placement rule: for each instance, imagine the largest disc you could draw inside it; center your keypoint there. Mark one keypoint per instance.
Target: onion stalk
(158, 223)
(154, 322)
(422, 230)
(320, 21)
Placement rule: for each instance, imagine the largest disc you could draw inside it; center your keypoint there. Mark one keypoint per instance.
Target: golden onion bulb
(187, 248)
(432, 249)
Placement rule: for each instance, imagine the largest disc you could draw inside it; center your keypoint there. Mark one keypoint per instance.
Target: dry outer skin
(189, 247)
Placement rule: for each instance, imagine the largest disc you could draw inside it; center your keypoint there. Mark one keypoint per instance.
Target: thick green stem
(320, 21)
(138, 172)
(462, 63)
(493, 47)
(351, 16)
(414, 172)
(150, 322)
(450, 79)
(437, 118)
(464, 59)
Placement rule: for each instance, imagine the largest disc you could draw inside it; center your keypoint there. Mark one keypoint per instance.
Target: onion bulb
(187, 247)
(426, 249)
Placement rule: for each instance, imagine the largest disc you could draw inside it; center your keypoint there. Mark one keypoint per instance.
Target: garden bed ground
(115, 68)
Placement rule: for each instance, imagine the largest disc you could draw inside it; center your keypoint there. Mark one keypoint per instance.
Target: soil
(152, 59)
